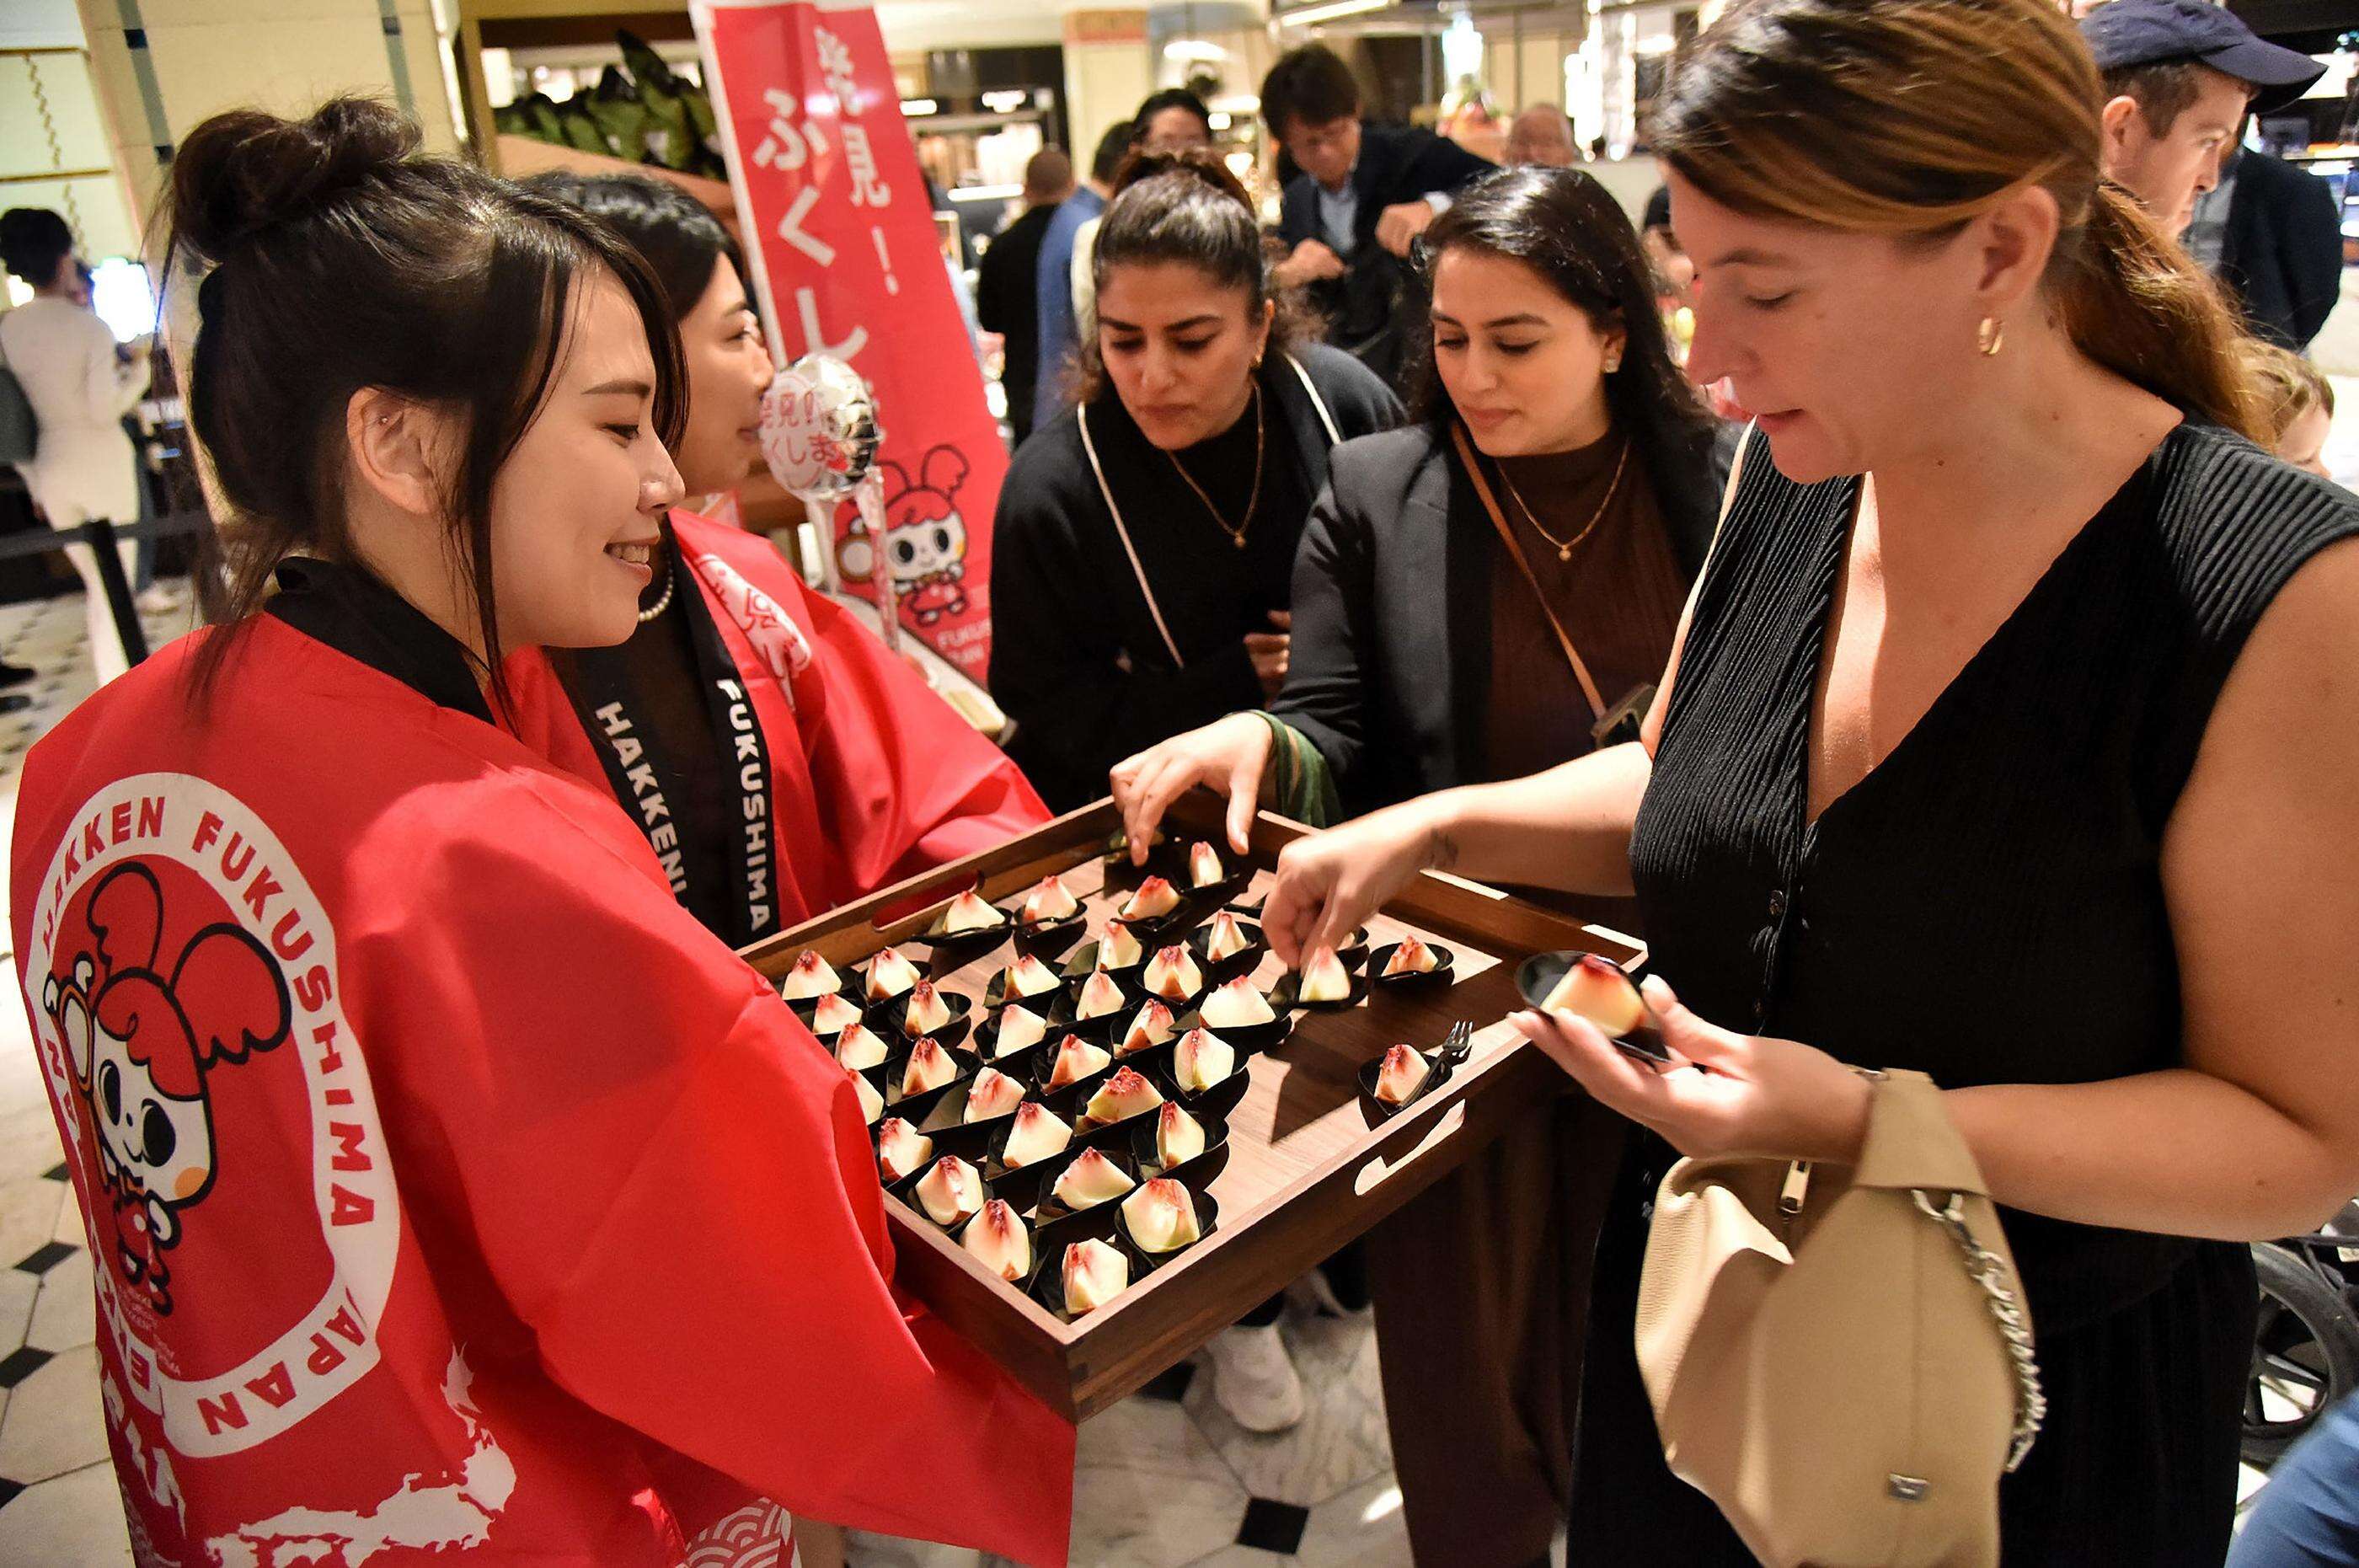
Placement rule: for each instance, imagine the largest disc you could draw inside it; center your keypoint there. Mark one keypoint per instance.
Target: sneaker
(1254, 1378)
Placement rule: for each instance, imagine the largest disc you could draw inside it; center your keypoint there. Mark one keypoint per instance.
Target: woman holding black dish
(2009, 739)
(1487, 593)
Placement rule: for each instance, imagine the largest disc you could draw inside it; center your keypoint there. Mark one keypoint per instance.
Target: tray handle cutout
(1378, 1170)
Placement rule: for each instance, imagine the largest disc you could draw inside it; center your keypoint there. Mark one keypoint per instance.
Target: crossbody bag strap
(1909, 1130)
(1516, 549)
(1122, 530)
(1334, 436)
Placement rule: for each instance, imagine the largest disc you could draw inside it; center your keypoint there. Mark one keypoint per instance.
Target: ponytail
(2135, 302)
(1911, 118)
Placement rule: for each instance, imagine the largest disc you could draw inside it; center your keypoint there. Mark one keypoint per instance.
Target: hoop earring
(1990, 336)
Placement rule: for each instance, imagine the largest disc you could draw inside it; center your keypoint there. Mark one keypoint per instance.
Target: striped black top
(1986, 906)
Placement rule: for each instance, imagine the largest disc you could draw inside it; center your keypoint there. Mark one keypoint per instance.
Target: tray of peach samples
(1109, 1120)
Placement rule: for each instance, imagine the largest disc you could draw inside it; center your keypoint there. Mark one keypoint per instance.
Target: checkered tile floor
(58, 1498)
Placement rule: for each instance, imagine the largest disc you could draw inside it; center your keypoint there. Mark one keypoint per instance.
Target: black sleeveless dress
(1986, 907)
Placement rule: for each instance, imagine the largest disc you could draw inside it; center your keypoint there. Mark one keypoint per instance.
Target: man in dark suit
(2281, 246)
(1365, 194)
(1005, 301)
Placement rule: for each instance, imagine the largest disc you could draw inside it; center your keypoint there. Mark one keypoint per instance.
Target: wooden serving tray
(1310, 1168)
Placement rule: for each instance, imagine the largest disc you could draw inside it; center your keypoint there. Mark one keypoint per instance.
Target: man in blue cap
(2179, 77)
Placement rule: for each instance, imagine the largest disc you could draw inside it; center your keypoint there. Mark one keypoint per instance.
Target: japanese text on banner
(842, 230)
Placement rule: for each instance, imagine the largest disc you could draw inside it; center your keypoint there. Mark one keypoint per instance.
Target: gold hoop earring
(1990, 336)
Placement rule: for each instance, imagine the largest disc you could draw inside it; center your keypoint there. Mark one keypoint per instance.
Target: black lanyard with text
(646, 780)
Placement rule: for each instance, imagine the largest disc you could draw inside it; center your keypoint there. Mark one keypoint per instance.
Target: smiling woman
(368, 1029)
(702, 274)
(780, 760)
(343, 428)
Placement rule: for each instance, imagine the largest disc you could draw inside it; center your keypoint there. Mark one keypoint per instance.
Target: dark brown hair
(1169, 98)
(1913, 117)
(1186, 207)
(2162, 89)
(676, 234)
(339, 259)
(1311, 85)
(33, 240)
(1568, 228)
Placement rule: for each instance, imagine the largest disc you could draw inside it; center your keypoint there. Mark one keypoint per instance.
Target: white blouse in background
(84, 466)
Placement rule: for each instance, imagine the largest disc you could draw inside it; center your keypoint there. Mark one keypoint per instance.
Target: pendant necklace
(1252, 497)
(1564, 546)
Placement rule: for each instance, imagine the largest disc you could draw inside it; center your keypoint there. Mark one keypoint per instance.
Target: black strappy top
(1986, 906)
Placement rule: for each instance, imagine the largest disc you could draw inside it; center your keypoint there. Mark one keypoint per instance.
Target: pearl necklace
(672, 580)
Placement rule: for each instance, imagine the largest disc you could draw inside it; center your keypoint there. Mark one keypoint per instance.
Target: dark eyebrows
(622, 385)
(1521, 319)
(1208, 319)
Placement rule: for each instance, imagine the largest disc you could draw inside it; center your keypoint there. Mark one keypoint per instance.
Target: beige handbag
(1841, 1359)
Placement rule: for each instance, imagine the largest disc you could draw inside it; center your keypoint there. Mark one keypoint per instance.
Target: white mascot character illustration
(925, 538)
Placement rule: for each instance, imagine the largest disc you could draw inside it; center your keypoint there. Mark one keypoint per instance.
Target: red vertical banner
(841, 235)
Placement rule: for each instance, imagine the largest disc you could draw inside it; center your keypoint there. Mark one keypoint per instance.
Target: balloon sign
(819, 437)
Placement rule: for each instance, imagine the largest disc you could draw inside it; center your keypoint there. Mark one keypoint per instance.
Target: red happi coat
(873, 778)
(449, 1188)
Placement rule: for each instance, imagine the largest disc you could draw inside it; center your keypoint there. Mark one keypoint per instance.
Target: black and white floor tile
(1165, 1480)
(58, 1503)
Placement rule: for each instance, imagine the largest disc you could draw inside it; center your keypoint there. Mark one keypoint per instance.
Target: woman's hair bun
(1200, 163)
(33, 240)
(245, 171)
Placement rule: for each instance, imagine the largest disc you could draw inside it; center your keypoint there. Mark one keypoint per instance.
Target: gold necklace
(1253, 498)
(1564, 546)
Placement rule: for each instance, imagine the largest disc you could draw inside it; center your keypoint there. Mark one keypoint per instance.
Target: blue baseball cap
(2145, 32)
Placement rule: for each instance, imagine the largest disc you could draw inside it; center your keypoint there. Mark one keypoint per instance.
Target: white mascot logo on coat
(218, 1115)
(145, 1048)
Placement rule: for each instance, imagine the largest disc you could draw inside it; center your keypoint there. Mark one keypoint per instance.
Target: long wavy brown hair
(1913, 117)
(1569, 229)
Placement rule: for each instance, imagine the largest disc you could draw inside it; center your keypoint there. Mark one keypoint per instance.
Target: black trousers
(1481, 1285)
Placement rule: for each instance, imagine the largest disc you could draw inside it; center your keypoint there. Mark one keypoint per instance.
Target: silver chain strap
(1987, 1269)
